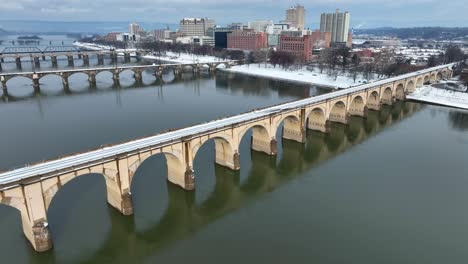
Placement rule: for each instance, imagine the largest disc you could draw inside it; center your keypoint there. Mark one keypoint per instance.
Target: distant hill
(436, 33)
(3, 32)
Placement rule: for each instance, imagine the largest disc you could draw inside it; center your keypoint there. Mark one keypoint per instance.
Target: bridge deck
(106, 153)
(110, 68)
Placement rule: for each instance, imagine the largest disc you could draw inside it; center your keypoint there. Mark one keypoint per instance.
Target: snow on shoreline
(183, 58)
(97, 47)
(298, 76)
(438, 96)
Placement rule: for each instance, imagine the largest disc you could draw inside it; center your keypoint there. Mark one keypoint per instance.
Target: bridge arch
(419, 82)
(226, 151)
(292, 127)
(439, 76)
(338, 112)
(373, 101)
(262, 139)
(400, 90)
(17, 78)
(387, 96)
(23, 86)
(427, 79)
(221, 66)
(433, 77)
(446, 73)
(410, 87)
(50, 74)
(85, 193)
(317, 120)
(357, 106)
(177, 169)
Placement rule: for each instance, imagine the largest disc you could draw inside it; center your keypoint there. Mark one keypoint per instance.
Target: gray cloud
(368, 13)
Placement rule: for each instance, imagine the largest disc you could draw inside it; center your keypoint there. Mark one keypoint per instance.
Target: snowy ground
(445, 97)
(97, 47)
(300, 76)
(183, 58)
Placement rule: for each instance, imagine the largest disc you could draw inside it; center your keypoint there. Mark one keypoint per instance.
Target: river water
(390, 188)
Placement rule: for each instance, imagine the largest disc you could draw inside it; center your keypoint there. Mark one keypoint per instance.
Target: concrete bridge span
(31, 189)
(71, 56)
(137, 70)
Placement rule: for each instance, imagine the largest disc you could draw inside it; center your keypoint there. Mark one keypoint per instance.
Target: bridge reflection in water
(165, 213)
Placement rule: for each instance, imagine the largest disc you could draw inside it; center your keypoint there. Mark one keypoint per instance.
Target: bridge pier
(138, 76)
(158, 73)
(43, 57)
(36, 84)
(2, 60)
(4, 86)
(294, 130)
(1, 69)
(113, 58)
(37, 62)
(18, 62)
(100, 59)
(29, 200)
(86, 60)
(127, 57)
(92, 78)
(79, 56)
(65, 82)
(53, 59)
(267, 146)
(116, 77)
(70, 61)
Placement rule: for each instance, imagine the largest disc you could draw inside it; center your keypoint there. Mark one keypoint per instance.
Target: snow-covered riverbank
(299, 76)
(97, 47)
(430, 94)
(183, 58)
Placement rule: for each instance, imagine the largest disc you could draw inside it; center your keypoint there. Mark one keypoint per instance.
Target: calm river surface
(387, 189)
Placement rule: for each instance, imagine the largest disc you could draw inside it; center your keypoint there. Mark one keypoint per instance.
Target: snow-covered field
(445, 97)
(183, 58)
(299, 76)
(97, 47)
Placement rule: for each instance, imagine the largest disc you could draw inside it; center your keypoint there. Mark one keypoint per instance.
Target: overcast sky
(364, 13)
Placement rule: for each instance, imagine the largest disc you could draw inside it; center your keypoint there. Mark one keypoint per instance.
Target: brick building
(247, 40)
(302, 46)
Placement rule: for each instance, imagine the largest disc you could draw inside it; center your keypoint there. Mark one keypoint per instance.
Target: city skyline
(366, 13)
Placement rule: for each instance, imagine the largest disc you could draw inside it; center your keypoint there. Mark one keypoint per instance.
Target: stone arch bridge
(31, 189)
(116, 71)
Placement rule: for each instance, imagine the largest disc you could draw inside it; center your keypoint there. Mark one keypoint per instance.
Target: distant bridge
(34, 49)
(31, 189)
(53, 52)
(92, 72)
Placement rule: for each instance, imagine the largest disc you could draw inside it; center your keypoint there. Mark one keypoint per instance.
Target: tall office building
(195, 26)
(134, 29)
(259, 25)
(338, 24)
(295, 16)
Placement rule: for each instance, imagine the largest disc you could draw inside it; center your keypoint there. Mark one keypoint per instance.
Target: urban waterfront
(385, 189)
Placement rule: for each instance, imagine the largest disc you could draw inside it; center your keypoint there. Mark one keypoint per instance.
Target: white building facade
(195, 26)
(337, 23)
